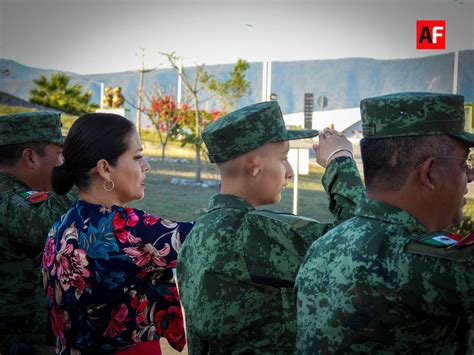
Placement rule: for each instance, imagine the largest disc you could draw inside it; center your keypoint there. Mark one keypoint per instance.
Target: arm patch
(442, 245)
(34, 197)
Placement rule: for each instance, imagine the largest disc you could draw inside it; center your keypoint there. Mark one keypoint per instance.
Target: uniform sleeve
(440, 286)
(27, 222)
(273, 252)
(196, 345)
(344, 186)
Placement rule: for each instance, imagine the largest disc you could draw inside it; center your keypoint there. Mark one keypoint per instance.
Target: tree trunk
(197, 145)
(197, 148)
(163, 149)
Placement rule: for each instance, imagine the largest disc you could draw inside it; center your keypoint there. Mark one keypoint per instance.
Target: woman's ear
(103, 169)
(426, 174)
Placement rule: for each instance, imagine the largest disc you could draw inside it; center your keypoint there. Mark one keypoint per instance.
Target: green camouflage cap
(246, 129)
(414, 114)
(30, 127)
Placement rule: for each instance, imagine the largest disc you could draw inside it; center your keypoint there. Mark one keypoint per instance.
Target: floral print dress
(108, 279)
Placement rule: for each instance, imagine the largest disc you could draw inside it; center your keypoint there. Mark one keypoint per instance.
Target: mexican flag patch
(443, 240)
(466, 241)
(34, 197)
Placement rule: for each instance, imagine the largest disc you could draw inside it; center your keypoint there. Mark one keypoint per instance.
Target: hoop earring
(109, 182)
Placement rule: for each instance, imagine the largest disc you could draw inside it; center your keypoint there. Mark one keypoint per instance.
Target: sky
(102, 36)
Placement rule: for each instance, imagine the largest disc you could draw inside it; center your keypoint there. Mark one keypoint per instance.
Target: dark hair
(92, 137)
(10, 154)
(388, 161)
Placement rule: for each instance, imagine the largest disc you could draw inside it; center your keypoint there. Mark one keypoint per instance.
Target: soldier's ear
(254, 165)
(426, 174)
(29, 158)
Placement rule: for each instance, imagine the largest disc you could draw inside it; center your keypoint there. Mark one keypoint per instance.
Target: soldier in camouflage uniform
(237, 268)
(30, 146)
(390, 280)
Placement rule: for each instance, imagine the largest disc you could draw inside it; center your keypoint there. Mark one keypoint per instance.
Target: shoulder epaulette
(34, 197)
(439, 239)
(441, 244)
(292, 220)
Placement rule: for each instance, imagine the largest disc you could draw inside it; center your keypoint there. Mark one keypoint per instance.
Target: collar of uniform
(381, 211)
(9, 182)
(228, 201)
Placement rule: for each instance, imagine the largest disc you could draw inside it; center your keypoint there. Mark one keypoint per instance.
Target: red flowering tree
(167, 118)
(187, 131)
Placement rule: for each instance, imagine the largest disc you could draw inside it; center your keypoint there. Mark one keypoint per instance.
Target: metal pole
(139, 101)
(179, 86)
(455, 74)
(269, 79)
(295, 183)
(101, 95)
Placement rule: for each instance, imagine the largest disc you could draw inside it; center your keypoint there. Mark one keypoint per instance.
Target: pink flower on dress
(148, 256)
(50, 294)
(149, 220)
(70, 264)
(173, 295)
(119, 223)
(60, 322)
(140, 305)
(116, 323)
(173, 329)
(48, 255)
(132, 218)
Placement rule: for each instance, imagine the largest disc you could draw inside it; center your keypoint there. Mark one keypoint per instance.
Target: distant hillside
(343, 81)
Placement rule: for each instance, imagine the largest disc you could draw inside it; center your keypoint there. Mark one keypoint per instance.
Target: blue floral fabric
(108, 279)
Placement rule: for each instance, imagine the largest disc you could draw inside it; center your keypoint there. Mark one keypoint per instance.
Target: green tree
(58, 94)
(230, 91)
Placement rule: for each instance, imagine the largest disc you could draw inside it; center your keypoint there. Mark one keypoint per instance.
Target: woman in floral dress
(107, 268)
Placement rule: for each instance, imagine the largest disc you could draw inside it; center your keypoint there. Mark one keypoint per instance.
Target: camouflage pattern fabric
(414, 114)
(246, 129)
(25, 219)
(237, 268)
(30, 127)
(380, 284)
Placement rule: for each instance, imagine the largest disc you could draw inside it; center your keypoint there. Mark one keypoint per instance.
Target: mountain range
(344, 82)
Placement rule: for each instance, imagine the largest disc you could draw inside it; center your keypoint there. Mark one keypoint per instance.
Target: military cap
(246, 129)
(30, 127)
(414, 114)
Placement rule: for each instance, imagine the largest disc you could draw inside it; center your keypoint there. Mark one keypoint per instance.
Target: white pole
(179, 86)
(455, 74)
(295, 183)
(269, 79)
(101, 95)
(264, 81)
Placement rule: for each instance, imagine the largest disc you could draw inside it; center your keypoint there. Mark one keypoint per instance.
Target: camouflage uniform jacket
(380, 284)
(237, 268)
(25, 219)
